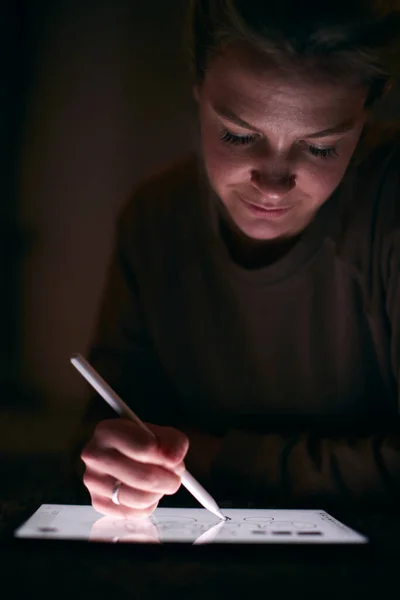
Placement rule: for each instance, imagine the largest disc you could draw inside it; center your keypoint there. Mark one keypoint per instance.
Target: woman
(252, 312)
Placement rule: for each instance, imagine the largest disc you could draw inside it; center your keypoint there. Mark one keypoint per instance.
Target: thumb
(172, 443)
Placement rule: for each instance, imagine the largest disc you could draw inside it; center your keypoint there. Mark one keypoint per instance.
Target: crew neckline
(308, 244)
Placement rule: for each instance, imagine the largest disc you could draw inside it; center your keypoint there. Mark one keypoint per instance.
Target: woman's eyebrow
(229, 115)
(343, 127)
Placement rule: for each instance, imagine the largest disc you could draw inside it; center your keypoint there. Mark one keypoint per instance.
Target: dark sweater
(296, 364)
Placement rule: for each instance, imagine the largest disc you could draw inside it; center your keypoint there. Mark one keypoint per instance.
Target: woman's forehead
(240, 82)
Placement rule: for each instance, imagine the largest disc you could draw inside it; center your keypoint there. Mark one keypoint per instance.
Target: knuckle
(87, 453)
(87, 480)
(91, 453)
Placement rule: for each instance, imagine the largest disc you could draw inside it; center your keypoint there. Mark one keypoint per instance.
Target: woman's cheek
(320, 178)
(225, 165)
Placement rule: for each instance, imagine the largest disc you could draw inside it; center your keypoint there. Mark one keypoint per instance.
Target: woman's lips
(266, 212)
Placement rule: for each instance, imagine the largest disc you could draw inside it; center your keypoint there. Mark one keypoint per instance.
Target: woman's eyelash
(237, 140)
(323, 152)
(245, 140)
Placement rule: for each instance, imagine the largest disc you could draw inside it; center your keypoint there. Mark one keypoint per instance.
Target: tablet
(195, 526)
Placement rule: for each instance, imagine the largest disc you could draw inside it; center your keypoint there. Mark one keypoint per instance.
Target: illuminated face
(275, 146)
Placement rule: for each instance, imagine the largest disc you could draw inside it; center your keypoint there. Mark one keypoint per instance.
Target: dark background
(95, 93)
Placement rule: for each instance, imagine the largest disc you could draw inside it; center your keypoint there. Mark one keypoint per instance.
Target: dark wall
(110, 99)
(15, 69)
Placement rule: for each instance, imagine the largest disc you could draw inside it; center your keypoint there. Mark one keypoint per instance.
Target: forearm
(300, 469)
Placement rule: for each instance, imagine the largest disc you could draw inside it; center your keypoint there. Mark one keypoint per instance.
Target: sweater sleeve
(307, 468)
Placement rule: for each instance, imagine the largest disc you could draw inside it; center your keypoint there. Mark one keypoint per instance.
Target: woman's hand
(148, 468)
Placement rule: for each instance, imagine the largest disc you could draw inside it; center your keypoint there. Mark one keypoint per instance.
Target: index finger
(129, 439)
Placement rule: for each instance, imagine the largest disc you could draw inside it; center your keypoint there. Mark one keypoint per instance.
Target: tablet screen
(190, 525)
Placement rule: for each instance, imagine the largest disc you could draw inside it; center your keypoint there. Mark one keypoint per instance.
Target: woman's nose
(272, 187)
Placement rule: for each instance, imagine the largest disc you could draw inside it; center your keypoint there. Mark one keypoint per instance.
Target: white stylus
(209, 535)
(108, 394)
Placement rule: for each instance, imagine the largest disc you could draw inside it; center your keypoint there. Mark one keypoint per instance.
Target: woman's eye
(324, 153)
(237, 140)
(246, 140)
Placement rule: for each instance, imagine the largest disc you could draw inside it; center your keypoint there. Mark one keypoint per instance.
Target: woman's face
(275, 147)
